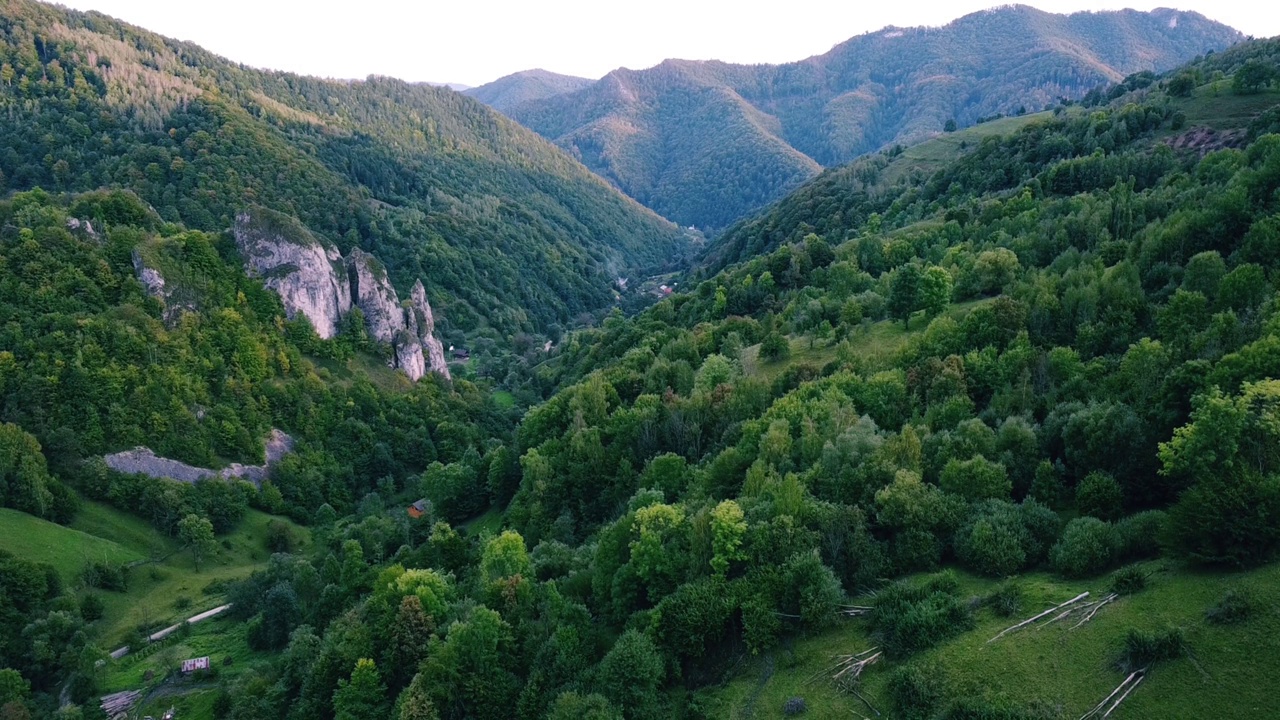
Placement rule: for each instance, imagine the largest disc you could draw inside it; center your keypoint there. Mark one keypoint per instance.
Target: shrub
(794, 706)
(775, 347)
(1128, 580)
(1100, 496)
(1140, 535)
(104, 576)
(1143, 649)
(1088, 546)
(907, 617)
(1235, 606)
(917, 690)
(91, 607)
(1006, 600)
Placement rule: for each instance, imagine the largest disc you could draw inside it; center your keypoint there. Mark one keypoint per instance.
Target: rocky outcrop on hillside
(141, 460)
(307, 273)
(153, 283)
(422, 323)
(313, 278)
(375, 297)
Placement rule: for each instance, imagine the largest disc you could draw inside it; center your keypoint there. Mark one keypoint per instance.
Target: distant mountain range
(705, 143)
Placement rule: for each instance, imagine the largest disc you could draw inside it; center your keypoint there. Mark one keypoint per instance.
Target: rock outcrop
(373, 294)
(141, 460)
(422, 323)
(314, 279)
(153, 283)
(307, 273)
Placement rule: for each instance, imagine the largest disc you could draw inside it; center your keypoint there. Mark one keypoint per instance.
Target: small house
(420, 508)
(461, 353)
(194, 664)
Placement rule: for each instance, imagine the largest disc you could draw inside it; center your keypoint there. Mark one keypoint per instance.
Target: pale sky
(475, 41)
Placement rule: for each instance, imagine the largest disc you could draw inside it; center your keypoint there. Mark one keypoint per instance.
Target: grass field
(1223, 109)
(68, 550)
(1067, 669)
(929, 156)
(876, 343)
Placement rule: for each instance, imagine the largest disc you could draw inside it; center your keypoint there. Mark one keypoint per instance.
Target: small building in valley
(420, 508)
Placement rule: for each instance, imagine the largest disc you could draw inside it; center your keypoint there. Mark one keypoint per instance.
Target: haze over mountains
(705, 143)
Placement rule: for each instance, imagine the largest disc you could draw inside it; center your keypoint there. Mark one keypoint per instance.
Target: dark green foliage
(775, 347)
(908, 617)
(1235, 606)
(1129, 580)
(91, 607)
(1006, 600)
(1088, 546)
(1142, 649)
(1141, 535)
(1099, 495)
(794, 706)
(105, 576)
(917, 690)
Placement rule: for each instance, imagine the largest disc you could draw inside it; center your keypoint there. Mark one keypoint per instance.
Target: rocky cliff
(307, 273)
(141, 460)
(314, 279)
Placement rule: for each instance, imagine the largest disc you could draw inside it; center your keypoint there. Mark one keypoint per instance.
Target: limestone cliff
(311, 277)
(373, 294)
(307, 273)
(422, 323)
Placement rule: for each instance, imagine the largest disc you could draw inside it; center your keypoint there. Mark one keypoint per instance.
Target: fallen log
(1138, 674)
(1031, 620)
(1097, 606)
(1120, 699)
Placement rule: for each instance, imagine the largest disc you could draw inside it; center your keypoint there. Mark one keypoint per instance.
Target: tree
(572, 706)
(505, 556)
(415, 702)
(904, 291)
(716, 370)
(363, 696)
(13, 687)
(935, 290)
(976, 479)
(775, 347)
(1088, 546)
(629, 675)
(949, 125)
(1100, 496)
(728, 528)
(1252, 77)
(196, 533)
(408, 638)
(1182, 84)
(24, 476)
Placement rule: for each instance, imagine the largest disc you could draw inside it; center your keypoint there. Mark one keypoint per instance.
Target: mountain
(515, 89)
(507, 233)
(706, 143)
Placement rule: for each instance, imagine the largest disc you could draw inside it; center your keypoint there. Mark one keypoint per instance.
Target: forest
(1056, 359)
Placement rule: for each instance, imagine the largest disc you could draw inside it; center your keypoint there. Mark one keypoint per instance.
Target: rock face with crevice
(312, 278)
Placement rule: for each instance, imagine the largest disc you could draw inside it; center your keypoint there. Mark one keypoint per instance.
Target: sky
(476, 41)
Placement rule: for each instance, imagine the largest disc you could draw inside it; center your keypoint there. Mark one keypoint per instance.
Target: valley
(975, 423)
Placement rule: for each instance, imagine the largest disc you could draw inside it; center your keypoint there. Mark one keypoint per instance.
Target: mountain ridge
(894, 85)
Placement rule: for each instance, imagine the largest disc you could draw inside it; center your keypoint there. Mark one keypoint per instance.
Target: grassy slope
(155, 587)
(875, 342)
(67, 550)
(931, 155)
(1070, 670)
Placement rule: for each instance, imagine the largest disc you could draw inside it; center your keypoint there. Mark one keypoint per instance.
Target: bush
(1006, 600)
(917, 690)
(279, 537)
(775, 347)
(91, 607)
(908, 617)
(1143, 649)
(794, 706)
(1140, 535)
(104, 576)
(1235, 606)
(1000, 538)
(1088, 546)
(1100, 496)
(1128, 580)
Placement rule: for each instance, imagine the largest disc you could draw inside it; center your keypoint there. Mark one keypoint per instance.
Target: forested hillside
(517, 88)
(910, 409)
(706, 143)
(508, 233)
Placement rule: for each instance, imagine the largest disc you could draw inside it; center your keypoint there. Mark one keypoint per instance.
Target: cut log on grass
(852, 666)
(1096, 607)
(1120, 699)
(1031, 620)
(864, 700)
(1123, 690)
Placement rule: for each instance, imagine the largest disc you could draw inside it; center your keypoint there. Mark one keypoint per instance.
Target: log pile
(118, 704)
(853, 610)
(1075, 606)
